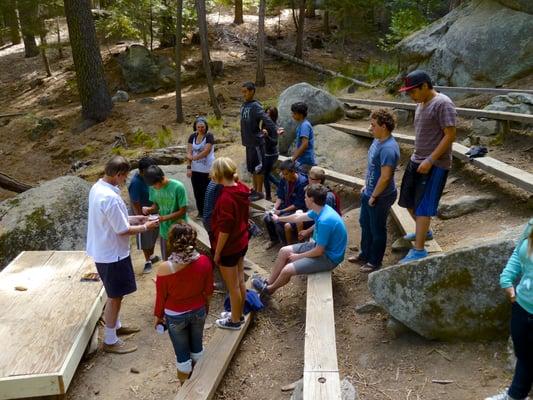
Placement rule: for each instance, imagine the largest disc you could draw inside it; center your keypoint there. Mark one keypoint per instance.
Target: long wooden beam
(321, 371)
(474, 90)
(518, 177)
(465, 112)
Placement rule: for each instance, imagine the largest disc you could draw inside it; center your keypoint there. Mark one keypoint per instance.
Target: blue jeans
(186, 333)
(373, 221)
(522, 335)
(268, 165)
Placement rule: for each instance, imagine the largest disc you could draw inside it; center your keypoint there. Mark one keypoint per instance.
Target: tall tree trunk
(151, 27)
(260, 73)
(96, 103)
(179, 28)
(325, 21)
(204, 44)
(298, 52)
(29, 26)
(310, 11)
(10, 15)
(239, 19)
(59, 45)
(43, 53)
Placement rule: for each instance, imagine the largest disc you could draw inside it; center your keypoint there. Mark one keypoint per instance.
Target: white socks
(196, 356)
(110, 335)
(118, 325)
(185, 367)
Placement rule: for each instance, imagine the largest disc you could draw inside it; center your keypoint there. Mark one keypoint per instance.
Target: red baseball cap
(414, 79)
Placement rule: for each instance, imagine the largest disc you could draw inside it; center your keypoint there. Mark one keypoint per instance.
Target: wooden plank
(322, 386)
(464, 112)
(518, 177)
(35, 359)
(473, 90)
(321, 371)
(407, 224)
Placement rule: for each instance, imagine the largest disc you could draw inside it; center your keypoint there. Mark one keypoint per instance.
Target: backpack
(337, 201)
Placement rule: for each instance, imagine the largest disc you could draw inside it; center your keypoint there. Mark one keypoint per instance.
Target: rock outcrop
(454, 49)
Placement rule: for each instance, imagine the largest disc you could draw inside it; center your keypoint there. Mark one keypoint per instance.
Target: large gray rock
(323, 108)
(448, 296)
(340, 151)
(442, 50)
(178, 172)
(120, 97)
(52, 216)
(486, 127)
(145, 71)
(453, 208)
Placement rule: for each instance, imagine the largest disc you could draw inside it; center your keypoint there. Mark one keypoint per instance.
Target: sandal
(367, 268)
(357, 260)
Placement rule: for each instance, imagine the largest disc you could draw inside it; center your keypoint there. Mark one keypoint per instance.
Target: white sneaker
(501, 396)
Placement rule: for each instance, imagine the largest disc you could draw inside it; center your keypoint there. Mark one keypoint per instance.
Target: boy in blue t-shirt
(323, 253)
(304, 155)
(379, 193)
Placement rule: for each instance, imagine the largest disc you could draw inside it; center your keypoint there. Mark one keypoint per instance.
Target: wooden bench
(522, 179)
(465, 112)
(209, 371)
(473, 90)
(46, 325)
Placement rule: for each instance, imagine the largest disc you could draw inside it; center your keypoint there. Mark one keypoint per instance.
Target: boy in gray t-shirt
(426, 173)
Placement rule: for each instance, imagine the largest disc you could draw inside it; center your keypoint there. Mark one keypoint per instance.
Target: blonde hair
(318, 173)
(224, 168)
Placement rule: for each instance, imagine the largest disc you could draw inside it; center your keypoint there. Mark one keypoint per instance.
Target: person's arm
(445, 143)
(135, 229)
(221, 242)
(161, 294)
(136, 207)
(173, 216)
(268, 124)
(306, 233)
(300, 150)
(386, 175)
(510, 273)
(204, 153)
(316, 251)
(290, 208)
(294, 218)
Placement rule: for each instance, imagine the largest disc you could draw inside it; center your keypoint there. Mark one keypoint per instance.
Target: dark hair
(317, 192)
(272, 113)
(153, 174)
(384, 117)
(249, 85)
(287, 165)
(117, 165)
(145, 162)
(182, 239)
(200, 119)
(300, 108)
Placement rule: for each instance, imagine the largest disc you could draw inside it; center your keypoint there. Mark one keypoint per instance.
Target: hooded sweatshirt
(231, 216)
(520, 266)
(251, 114)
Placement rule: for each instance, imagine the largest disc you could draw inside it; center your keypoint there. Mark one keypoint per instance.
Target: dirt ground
(271, 354)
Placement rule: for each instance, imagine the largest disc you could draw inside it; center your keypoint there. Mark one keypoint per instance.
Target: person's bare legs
(230, 276)
(148, 253)
(280, 262)
(112, 309)
(258, 182)
(283, 278)
(422, 228)
(242, 285)
(288, 233)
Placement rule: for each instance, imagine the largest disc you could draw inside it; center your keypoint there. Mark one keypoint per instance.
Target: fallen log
(11, 184)
(276, 53)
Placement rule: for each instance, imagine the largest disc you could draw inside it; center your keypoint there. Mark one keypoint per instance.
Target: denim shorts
(186, 333)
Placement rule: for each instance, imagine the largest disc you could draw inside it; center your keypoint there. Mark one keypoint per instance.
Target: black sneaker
(147, 267)
(260, 285)
(227, 323)
(154, 259)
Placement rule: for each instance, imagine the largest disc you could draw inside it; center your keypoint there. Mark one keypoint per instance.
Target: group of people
(305, 218)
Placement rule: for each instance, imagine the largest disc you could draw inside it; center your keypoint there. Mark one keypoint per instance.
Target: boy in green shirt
(169, 198)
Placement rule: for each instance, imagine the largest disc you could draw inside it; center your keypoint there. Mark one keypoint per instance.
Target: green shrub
(164, 137)
(141, 138)
(403, 23)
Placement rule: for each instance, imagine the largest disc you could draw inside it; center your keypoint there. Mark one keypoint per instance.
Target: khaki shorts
(310, 265)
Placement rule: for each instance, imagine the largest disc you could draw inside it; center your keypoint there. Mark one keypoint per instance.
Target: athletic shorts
(254, 160)
(422, 192)
(147, 240)
(231, 260)
(310, 265)
(118, 277)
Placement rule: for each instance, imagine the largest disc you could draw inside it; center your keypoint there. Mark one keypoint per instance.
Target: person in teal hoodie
(520, 266)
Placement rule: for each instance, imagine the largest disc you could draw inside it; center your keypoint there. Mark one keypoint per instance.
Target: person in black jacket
(271, 153)
(252, 114)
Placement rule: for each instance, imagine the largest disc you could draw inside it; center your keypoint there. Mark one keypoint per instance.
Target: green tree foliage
(403, 23)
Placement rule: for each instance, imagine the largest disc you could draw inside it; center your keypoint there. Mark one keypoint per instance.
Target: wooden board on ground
(321, 371)
(518, 177)
(46, 324)
(464, 112)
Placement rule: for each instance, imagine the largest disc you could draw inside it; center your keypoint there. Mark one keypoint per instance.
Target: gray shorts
(310, 265)
(147, 240)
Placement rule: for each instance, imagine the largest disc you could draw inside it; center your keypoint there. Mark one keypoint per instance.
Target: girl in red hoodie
(230, 229)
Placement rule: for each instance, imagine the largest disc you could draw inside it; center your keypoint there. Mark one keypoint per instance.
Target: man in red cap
(426, 173)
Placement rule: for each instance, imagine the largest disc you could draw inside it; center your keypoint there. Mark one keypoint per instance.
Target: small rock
(401, 244)
(134, 370)
(357, 113)
(290, 386)
(467, 142)
(403, 117)
(147, 100)
(367, 308)
(21, 288)
(36, 82)
(348, 391)
(464, 205)
(165, 106)
(44, 101)
(395, 327)
(298, 392)
(120, 97)
(486, 127)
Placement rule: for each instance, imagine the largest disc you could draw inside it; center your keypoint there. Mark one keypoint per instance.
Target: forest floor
(271, 355)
